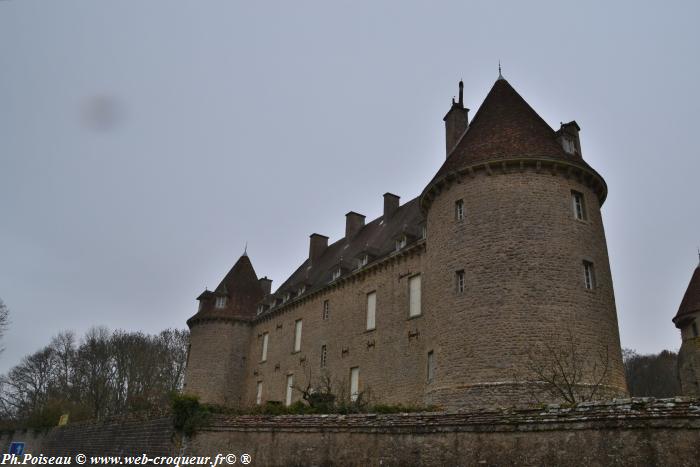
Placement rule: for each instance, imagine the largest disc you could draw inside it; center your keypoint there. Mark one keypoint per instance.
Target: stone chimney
(265, 285)
(317, 245)
(456, 121)
(391, 204)
(569, 139)
(353, 223)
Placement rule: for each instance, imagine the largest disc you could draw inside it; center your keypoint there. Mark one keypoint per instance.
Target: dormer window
(362, 261)
(286, 297)
(401, 242)
(301, 291)
(336, 274)
(201, 305)
(220, 302)
(569, 146)
(261, 308)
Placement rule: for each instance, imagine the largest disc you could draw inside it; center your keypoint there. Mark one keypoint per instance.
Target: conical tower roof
(505, 126)
(242, 290)
(691, 300)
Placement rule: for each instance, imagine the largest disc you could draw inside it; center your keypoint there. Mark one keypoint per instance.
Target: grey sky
(143, 143)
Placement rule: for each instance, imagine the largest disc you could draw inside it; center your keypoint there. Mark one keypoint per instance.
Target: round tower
(688, 321)
(220, 335)
(517, 272)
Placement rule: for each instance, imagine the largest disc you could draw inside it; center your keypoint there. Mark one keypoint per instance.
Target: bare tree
(559, 370)
(4, 320)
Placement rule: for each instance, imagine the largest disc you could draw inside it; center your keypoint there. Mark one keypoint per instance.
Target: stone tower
(220, 334)
(516, 264)
(687, 320)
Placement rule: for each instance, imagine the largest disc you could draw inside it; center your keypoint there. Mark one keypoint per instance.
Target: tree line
(654, 375)
(103, 374)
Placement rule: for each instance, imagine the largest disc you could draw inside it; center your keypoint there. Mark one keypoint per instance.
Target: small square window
(460, 281)
(326, 309)
(459, 210)
(400, 243)
(220, 302)
(336, 274)
(579, 205)
(589, 275)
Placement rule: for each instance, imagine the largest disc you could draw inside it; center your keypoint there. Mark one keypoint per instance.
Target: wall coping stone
(678, 412)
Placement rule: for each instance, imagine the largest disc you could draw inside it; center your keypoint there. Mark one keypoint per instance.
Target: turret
(516, 262)
(220, 334)
(687, 319)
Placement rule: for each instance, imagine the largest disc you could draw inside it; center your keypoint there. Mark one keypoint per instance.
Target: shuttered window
(371, 310)
(414, 308)
(354, 383)
(297, 335)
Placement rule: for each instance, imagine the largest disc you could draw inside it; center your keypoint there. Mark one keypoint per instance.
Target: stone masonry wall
(689, 366)
(636, 432)
(392, 358)
(624, 433)
(522, 252)
(131, 436)
(216, 361)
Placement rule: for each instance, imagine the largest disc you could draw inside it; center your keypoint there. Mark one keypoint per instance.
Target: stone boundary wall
(120, 437)
(630, 432)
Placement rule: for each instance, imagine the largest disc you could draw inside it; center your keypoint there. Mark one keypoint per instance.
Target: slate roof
(691, 300)
(376, 238)
(243, 292)
(505, 127)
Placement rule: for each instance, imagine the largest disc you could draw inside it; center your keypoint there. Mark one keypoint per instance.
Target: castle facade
(457, 298)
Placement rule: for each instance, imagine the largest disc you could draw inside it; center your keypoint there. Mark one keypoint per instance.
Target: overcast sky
(142, 144)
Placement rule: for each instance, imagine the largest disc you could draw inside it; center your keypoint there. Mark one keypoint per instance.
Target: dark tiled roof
(505, 127)
(376, 238)
(691, 299)
(243, 292)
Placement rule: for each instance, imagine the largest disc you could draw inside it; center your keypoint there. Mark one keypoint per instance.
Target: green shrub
(189, 414)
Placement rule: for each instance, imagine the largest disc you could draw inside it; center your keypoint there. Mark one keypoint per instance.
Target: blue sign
(17, 448)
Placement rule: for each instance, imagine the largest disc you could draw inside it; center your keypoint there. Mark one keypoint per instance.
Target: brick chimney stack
(353, 223)
(391, 204)
(317, 245)
(265, 285)
(456, 121)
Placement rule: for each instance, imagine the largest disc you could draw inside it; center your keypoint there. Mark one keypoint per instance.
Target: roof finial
(699, 257)
(245, 249)
(500, 76)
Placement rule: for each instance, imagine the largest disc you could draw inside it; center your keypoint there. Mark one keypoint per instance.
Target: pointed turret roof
(243, 292)
(691, 300)
(505, 126)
